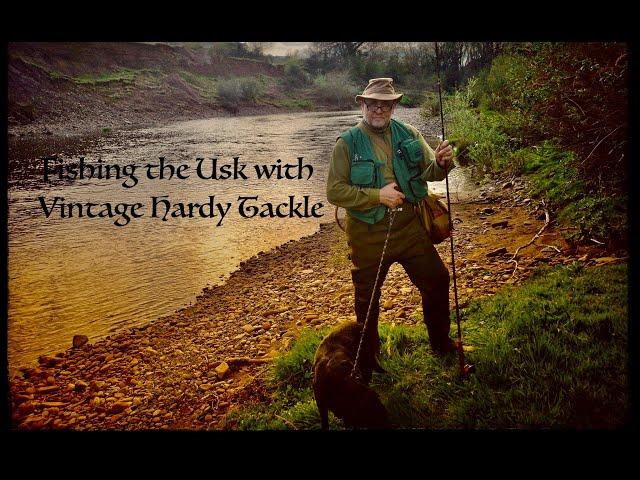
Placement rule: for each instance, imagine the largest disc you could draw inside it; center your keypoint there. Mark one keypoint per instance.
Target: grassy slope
(551, 353)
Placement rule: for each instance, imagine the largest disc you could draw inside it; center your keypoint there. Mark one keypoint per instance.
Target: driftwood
(552, 247)
(515, 255)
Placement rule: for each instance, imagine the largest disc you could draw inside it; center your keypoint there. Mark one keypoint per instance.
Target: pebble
(79, 340)
(222, 370)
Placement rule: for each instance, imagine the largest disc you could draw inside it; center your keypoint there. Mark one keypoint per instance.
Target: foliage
(597, 216)
(234, 90)
(430, 106)
(410, 101)
(572, 96)
(481, 133)
(250, 89)
(237, 49)
(410, 64)
(575, 93)
(295, 74)
(335, 88)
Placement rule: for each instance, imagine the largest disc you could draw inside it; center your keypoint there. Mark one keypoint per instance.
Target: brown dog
(333, 387)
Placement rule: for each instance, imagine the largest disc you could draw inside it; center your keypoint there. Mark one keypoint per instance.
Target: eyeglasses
(373, 105)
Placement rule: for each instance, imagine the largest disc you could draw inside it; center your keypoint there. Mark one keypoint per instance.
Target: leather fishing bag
(434, 217)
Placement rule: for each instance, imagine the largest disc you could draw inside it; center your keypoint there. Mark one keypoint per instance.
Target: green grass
(551, 174)
(206, 86)
(124, 75)
(550, 354)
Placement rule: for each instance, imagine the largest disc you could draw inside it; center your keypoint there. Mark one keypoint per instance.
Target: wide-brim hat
(380, 89)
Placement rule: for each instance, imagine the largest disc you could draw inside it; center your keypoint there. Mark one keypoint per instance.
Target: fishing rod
(465, 368)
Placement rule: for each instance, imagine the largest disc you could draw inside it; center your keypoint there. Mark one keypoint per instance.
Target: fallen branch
(594, 148)
(286, 421)
(553, 247)
(576, 104)
(515, 255)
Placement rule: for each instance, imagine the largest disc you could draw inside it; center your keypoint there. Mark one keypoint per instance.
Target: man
(379, 165)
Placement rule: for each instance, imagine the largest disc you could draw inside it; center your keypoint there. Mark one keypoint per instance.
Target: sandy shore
(188, 369)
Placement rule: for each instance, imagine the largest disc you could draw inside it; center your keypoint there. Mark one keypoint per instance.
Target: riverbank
(62, 131)
(75, 90)
(188, 369)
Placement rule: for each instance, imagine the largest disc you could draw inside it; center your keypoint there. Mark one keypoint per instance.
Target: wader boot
(410, 246)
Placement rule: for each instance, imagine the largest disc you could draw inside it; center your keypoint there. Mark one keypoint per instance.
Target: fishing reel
(466, 369)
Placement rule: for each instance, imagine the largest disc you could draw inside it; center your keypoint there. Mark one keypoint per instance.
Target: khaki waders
(410, 246)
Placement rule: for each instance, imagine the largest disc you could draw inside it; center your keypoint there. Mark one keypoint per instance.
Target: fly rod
(465, 368)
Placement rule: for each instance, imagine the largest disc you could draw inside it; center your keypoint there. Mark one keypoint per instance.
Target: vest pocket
(411, 151)
(417, 188)
(363, 173)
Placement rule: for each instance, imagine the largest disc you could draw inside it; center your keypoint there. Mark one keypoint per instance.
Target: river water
(87, 276)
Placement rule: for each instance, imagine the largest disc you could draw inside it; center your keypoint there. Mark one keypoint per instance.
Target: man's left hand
(444, 154)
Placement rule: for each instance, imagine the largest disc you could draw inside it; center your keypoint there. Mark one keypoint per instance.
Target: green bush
(488, 145)
(409, 101)
(234, 90)
(229, 92)
(596, 216)
(335, 88)
(250, 89)
(295, 74)
(430, 106)
(362, 69)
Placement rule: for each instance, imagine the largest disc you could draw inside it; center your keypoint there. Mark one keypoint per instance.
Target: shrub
(430, 106)
(250, 89)
(481, 132)
(234, 90)
(335, 88)
(294, 73)
(229, 92)
(410, 101)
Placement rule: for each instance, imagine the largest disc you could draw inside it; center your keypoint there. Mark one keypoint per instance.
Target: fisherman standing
(379, 165)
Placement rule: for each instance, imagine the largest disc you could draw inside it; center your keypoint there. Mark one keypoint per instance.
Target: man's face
(377, 113)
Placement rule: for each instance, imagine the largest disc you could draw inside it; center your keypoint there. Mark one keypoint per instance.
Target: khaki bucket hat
(380, 89)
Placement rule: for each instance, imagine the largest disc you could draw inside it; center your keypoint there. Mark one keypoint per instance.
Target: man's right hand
(391, 197)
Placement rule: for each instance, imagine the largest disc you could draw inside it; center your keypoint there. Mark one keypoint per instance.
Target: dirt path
(187, 370)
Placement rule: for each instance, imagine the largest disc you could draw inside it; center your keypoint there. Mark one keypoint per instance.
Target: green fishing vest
(366, 168)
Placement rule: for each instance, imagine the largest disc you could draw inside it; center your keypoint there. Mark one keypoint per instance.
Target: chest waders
(356, 372)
